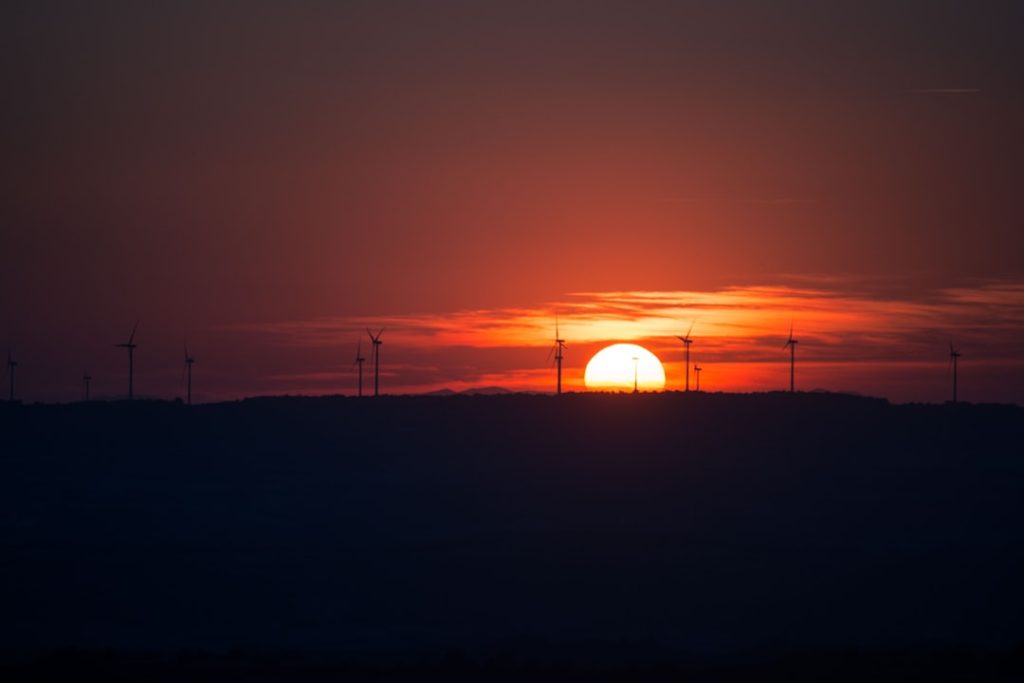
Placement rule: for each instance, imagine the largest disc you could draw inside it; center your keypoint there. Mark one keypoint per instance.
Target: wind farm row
(128, 345)
(556, 356)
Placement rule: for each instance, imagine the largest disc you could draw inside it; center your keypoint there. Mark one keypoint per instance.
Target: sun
(615, 367)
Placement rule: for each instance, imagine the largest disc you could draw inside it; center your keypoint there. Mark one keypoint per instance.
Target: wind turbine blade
(691, 328)
(131, 337)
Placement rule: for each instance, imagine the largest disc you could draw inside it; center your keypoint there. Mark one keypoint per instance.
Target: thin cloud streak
(842, 331)
(756, 201)
(945, 91)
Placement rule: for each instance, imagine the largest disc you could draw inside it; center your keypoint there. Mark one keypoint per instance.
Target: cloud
(944, 91)
(759, 201)
(845, 327)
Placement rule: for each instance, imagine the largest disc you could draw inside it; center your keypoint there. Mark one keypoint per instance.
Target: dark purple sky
(215, 167)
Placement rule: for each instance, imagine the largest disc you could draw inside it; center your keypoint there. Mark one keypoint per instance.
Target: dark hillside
(702, 524)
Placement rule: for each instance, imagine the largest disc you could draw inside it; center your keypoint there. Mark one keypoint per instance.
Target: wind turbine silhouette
(86, 378)
(11, 365)
(686, 342)
(954, 355)
(131, 346)
(189, 360)
(558, 349)
(636, 374)
(359, 361)
(696, 372)
(376, 359)
(791, 343)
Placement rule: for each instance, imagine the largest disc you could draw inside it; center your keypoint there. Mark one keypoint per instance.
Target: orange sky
(264, 178)
(854, 336)
(850, 340)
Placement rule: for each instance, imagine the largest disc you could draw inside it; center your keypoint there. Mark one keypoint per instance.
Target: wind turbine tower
(359, 361)
(189, 360)
(636, 374)
(86, 378)
(11, 365)
(686, 343)
(696, 373)
(376, 360)
(791, 343)
(559, 350)
(130, 345)
(954, 356)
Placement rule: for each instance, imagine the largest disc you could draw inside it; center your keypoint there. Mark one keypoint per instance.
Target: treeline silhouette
(627, 531)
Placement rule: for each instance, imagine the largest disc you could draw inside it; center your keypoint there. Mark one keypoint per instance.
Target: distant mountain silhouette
(474, 391)
(486, 391)
(440, 392)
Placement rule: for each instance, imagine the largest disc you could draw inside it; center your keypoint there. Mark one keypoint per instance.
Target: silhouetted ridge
(703, 524)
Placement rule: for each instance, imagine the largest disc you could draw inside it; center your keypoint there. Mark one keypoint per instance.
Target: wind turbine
(376, 359)
(558, 349)
(686, 342)
(359, 361)
(130, 345)
(696, 372)
(86, 378)
(791, 343)
(11, 364)
(189, 360)
(636, 374)
(954, 355)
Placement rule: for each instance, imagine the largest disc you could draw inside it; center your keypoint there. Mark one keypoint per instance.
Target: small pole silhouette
(189, 360)
(559, 350)
(359, 361)
(131, 346)
(636, 374)
(696, 373)
(686, 343)
(376, 359)
(86, 378)
(954, 356)
(791, 343)
(11, 365)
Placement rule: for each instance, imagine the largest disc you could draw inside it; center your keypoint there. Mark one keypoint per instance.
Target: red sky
(242, 173)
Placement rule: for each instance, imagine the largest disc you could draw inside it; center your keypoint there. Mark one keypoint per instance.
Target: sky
(266, 179)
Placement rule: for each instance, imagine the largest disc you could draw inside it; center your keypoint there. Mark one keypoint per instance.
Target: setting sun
(620, 367)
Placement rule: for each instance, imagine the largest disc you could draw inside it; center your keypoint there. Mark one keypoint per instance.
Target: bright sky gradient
(850, 340)
(265, 179)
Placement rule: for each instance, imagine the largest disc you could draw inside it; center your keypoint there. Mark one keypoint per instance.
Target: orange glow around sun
(620, 367)
(850, 340)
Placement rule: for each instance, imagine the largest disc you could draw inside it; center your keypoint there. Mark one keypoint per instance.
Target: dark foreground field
(518, 536)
